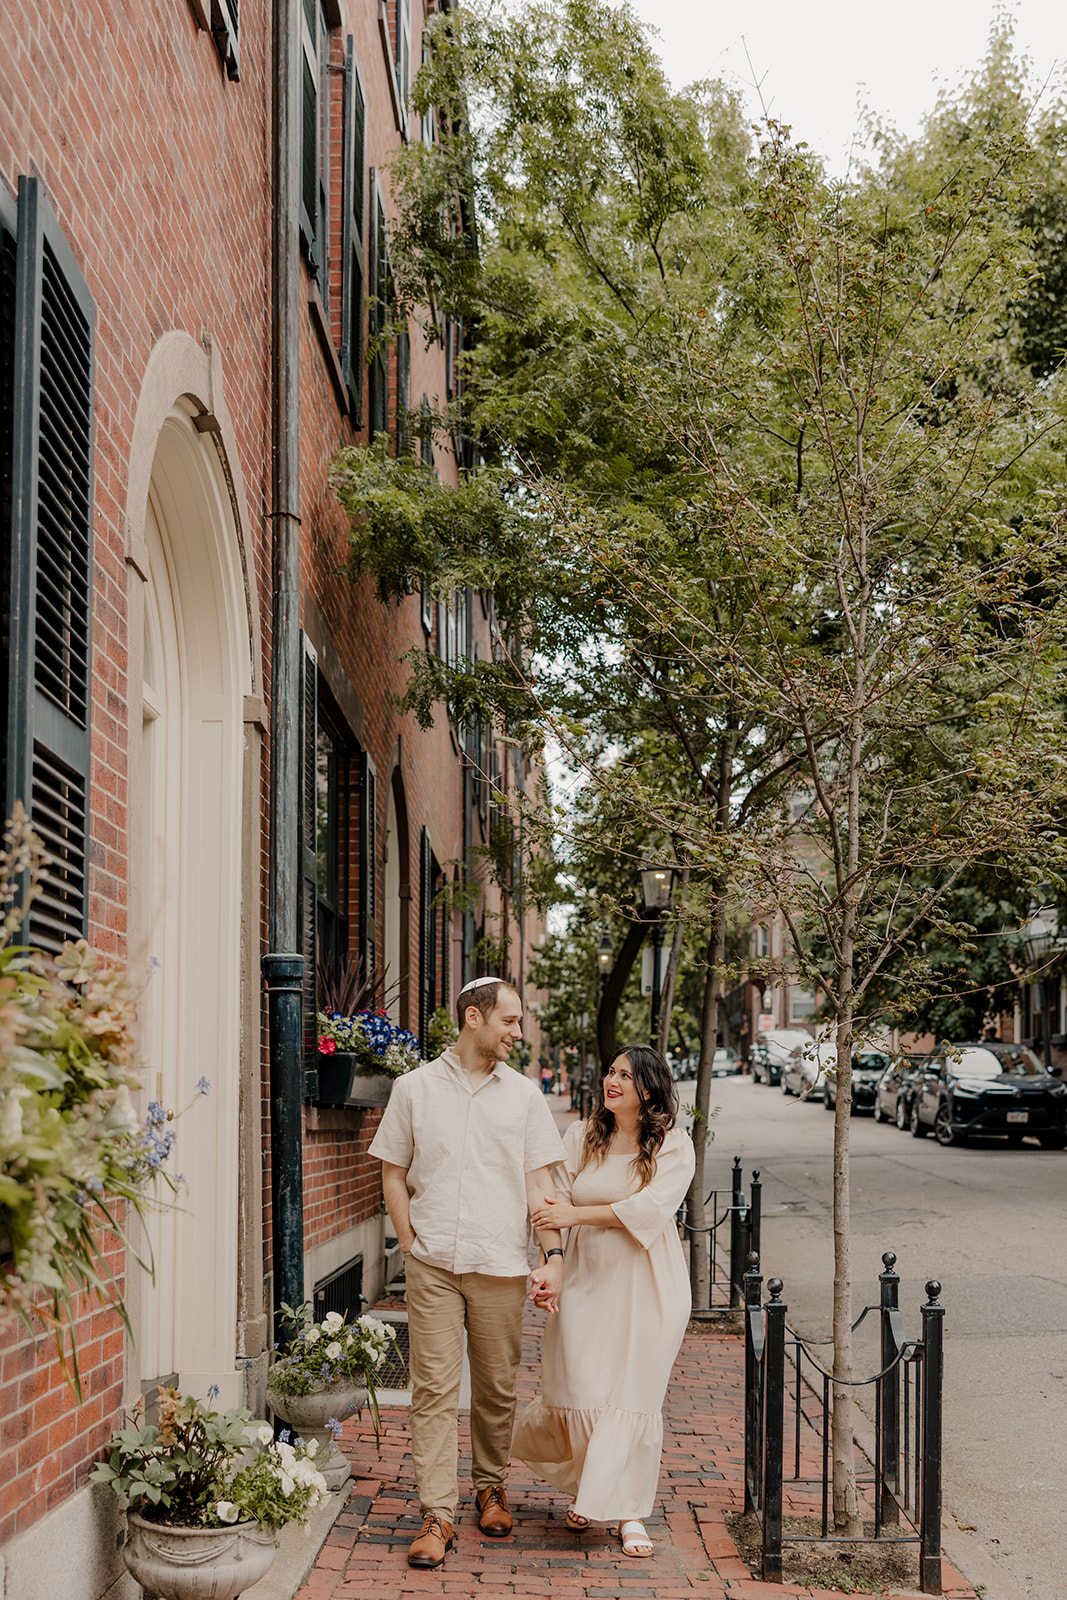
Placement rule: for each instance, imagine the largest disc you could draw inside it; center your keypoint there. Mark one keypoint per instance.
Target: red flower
(327, 1047)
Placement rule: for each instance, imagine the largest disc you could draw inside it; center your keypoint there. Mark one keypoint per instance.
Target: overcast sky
(818, 61)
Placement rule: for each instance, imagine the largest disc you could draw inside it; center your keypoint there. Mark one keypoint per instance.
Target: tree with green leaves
(770, 505)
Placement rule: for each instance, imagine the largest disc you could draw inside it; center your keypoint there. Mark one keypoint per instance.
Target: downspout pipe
(283, 966)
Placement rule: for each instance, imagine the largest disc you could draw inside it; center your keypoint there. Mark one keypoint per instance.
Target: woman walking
(596, 1429)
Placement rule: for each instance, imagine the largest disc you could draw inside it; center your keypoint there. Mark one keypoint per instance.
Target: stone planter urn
(307, 1416)
(173, 1563)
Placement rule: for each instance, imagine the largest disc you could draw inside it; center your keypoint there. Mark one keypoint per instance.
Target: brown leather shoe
(429, 1548)
(494, 1513)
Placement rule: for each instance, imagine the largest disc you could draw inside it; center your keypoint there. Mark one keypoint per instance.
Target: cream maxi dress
(596, 1429)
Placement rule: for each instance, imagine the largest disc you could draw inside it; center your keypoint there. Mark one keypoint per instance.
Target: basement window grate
(394, 1373)
(342, 1291)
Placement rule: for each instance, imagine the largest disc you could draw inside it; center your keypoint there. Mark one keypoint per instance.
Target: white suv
(772, 1050)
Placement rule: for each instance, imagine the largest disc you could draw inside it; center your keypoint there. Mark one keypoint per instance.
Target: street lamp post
(1041, 938)
(605, 961)
(657, 883)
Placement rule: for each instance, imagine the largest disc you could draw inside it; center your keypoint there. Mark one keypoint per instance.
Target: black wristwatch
(555, 1252)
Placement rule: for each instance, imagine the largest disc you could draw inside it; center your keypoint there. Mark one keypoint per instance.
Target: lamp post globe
(657, 885)
(1041, 940)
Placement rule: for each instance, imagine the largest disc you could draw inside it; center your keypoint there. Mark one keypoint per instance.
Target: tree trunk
(663, 1031)
(847, 1523)
(699, 1271)
(611, 993)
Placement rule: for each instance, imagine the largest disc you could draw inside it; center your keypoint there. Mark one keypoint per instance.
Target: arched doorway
(187, 883)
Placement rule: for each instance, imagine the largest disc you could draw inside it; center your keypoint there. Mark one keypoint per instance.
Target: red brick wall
(47, 1440)
(155, 167)
(158, 169)
(342, 1185)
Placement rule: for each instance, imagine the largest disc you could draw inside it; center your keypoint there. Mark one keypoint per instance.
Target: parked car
(725, 1063)
(867, 1068)
(989, 1090)
(771, 1051)
(896, 1090)
(804, 1067)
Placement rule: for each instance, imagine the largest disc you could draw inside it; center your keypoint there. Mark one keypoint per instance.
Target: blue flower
(203, 1086)
(213, 1392)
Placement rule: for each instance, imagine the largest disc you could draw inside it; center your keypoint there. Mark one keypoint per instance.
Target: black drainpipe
(283, 967)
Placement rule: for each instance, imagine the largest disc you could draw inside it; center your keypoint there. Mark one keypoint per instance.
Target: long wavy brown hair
(659, 1109)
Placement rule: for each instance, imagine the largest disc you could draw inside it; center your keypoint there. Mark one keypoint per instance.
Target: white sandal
(633, 1537)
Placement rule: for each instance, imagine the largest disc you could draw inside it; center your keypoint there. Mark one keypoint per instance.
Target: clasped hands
(546, 1281)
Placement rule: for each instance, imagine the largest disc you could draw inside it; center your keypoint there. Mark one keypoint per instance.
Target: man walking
(466, 1145)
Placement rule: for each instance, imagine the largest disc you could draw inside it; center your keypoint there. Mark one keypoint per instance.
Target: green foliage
(564, 967)
(774, 502)
(334, 1351)
(442, 1032)
(72, 1148)
(191, 1469)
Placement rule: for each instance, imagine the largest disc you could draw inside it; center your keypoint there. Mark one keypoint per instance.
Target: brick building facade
(139, 434)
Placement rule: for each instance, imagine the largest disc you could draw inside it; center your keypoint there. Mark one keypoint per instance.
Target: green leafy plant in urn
(207, 1493)
(326, 1371)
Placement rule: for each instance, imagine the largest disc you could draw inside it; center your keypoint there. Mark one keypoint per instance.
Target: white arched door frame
(192, 647)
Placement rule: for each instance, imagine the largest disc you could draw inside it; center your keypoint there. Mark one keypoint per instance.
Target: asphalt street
(989, 1224)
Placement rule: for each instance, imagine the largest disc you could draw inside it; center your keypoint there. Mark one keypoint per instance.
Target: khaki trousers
(440, 1306)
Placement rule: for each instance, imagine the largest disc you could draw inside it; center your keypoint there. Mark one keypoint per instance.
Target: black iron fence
(900, 1491)
(731, 1233)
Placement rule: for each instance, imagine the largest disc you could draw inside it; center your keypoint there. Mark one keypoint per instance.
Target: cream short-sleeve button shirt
(467, 1149)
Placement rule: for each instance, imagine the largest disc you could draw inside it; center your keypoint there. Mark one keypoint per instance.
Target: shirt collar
(451, 1059)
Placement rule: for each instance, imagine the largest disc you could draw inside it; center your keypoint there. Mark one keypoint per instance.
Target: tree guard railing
(902, 1491)
(732, 1234)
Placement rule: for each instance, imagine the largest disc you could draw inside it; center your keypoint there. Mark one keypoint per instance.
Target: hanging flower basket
(336, 1074)
(379, 1053)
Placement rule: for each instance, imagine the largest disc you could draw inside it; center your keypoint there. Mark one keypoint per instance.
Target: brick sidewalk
(364, 1557)
(702, 1479)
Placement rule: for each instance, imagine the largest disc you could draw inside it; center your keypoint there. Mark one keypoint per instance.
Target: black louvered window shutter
(353, 229)
(7, 398)
(310, 151)
(368, 868)
(308, 850)
(427, 948)
(51, 556)
(379, 318)
(224, 31)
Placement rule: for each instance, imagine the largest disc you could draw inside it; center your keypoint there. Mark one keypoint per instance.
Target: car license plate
(1018, 1116)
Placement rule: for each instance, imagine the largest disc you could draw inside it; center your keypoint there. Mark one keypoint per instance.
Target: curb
(299, 1548)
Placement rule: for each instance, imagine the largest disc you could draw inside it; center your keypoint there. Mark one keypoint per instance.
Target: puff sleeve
(648, 1213)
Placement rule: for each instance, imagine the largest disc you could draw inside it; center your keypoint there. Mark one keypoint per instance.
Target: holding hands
(545, 1284)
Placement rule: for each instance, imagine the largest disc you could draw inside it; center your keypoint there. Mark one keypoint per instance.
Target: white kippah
(476, 983)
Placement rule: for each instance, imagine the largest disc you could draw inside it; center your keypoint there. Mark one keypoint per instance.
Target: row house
(201, 713)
